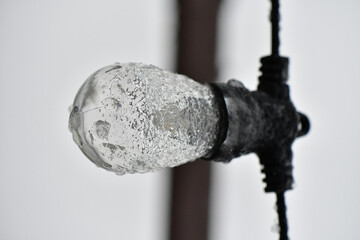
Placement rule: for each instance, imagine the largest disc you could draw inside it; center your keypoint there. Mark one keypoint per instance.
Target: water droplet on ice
(106, 165)
(102, 129)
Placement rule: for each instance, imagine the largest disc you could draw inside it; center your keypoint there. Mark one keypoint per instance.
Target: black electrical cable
(281, 209)
(275, 18)
(275, 44)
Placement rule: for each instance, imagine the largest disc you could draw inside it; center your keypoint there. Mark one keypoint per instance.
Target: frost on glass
(130, 118)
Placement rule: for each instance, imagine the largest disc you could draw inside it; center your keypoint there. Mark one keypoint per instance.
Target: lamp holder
(259, 123)
(264, 122)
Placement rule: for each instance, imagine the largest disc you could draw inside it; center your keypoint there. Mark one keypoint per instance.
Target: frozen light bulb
(136, 118)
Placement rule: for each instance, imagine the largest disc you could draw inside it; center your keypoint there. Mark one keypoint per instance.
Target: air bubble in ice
(102, 129)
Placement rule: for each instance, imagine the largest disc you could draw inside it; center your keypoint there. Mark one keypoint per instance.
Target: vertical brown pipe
(195, 58)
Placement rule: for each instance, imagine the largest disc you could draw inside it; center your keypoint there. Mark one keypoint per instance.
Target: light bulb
(136, 118)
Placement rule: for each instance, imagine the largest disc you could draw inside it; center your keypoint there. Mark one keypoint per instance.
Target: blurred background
(49, 190)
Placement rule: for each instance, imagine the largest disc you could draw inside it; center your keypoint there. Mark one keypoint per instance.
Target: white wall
(49, 190)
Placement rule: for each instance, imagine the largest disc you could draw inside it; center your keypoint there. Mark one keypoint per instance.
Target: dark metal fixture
(264, 122)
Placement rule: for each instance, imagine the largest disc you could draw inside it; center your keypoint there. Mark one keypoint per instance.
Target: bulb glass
(136, 118)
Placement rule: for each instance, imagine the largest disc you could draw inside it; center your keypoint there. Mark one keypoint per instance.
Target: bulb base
(262, 124)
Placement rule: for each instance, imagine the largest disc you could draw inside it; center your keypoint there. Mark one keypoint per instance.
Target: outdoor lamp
(136, 118)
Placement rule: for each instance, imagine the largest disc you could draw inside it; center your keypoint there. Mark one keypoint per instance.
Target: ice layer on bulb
(132, 117)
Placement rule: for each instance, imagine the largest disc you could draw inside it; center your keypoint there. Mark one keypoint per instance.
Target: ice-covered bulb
(136, 118)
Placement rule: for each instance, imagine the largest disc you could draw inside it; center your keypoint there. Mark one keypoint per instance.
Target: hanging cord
(275, 44)
(275, 18)
(276, 161)
(281, 209)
